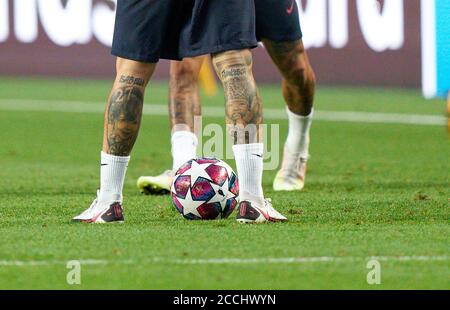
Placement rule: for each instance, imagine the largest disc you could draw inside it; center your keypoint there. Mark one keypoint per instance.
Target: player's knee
(183, 69)
(231, 64)
(293, 62)
(308, 74)
(127, 68)
(183, 75)
(301, 74)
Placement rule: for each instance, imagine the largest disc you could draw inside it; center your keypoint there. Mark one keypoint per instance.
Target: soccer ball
(205, 189)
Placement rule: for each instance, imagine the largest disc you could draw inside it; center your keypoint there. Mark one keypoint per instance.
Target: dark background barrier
(342, 50)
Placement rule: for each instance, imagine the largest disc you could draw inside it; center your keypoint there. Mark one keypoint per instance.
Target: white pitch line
(224, 261)
(31, 263)
(160, 109)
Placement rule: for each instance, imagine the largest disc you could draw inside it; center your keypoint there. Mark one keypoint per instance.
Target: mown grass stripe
(160, 109)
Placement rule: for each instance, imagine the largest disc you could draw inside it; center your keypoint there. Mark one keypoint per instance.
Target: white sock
(184, 148)
(112, 176)
(298, 135)
(249, 164)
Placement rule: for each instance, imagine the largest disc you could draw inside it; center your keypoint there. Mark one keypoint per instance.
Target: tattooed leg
(298, 76)
(184, 99)
(244, 124)
(124, 110)
(243, 103)
(184, 105)
(298, 91)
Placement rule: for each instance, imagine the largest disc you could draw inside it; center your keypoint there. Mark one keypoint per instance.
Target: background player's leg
(184, 105)
(298, 76)
(243, 119)
(298, 79)
(298, 90)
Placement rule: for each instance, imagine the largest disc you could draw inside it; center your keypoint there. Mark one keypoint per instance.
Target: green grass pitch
(372, 190)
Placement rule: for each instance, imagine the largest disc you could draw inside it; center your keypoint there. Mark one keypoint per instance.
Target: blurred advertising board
(350, 42)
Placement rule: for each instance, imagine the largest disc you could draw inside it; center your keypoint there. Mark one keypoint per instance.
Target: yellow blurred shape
(206, 78)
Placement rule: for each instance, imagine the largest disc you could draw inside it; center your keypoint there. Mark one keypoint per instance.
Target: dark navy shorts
(147, 30)
(277, 20)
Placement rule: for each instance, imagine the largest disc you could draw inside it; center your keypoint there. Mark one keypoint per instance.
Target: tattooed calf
(124, 118)
(243, 104)
(298, 76)
(183, 100)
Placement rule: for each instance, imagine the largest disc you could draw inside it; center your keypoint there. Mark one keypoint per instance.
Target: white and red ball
(205, 189)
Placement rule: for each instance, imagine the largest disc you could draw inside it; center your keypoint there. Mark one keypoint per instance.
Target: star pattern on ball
(195, 193)
(198, 170)
(230, 194)
(190, 205)
(219, 194)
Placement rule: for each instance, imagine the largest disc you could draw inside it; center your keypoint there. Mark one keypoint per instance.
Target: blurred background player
(147, 30)
(277, 26)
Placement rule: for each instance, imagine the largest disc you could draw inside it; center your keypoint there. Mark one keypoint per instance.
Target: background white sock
(298, 135)
(112, 176)
(249, 164)
(184, 148)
